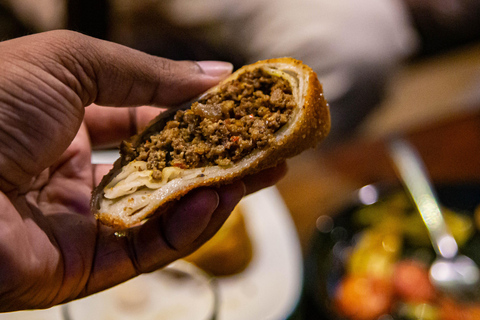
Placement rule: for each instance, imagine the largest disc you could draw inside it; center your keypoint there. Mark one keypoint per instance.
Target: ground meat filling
(222, 128)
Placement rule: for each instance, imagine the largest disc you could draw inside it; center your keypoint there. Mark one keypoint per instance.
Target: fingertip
(281, 170)
(265, 178)
(231, 194)
(190, 217)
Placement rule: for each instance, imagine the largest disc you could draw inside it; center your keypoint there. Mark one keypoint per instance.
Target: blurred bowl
(379, 236)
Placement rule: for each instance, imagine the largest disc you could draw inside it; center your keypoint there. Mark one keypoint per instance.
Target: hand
(51, 248)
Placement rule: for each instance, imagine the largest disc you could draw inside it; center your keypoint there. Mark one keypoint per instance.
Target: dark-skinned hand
(54, 87)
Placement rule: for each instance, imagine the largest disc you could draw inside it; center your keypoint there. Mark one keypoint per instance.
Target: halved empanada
(260, 115)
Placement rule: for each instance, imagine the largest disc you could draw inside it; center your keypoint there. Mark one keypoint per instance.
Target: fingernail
(215, 68)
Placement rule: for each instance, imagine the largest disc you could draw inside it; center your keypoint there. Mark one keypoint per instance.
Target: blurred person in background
(354, 46)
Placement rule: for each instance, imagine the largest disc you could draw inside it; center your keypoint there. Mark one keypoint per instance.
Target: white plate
(106, 156)
(54, 313)
(269, 289)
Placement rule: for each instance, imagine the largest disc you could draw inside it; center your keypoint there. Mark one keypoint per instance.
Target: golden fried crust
(310, 125)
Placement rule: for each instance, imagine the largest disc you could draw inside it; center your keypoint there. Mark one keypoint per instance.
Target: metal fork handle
(413, 174)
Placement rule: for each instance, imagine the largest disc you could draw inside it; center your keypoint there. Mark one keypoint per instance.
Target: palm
(52, 229)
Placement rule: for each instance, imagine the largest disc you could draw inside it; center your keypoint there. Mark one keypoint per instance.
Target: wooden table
(319, 181)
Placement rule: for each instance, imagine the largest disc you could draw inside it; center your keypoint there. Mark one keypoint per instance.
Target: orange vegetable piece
(363, 298)
(411, 282)
(453, 310)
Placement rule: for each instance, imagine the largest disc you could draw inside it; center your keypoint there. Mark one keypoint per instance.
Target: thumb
(126, 77)
(47, 79)
(112, 74)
